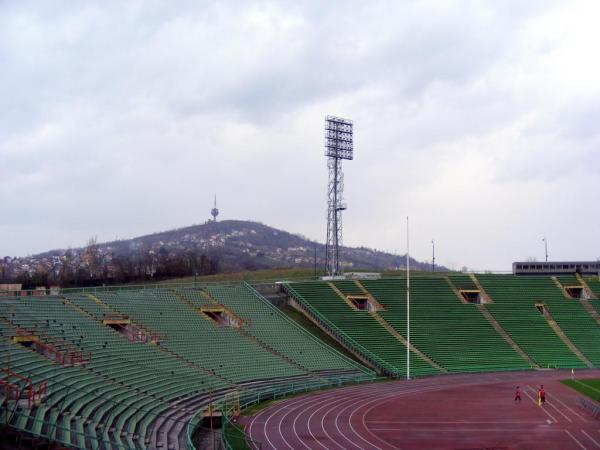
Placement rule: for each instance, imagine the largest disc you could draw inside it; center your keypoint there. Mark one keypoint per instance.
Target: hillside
(213, 247)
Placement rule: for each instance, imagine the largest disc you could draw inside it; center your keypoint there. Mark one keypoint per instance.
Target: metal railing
(34, 427)
(232, 434)
(385, 367)
(255, 282)
(590, 406)
(306, 332)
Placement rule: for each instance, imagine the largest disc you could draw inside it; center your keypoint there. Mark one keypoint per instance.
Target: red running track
(458, 412)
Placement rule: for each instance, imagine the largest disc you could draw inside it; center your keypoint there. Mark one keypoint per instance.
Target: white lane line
(275, 409)
(402, 389)
(591, 438)
(551, 405)
(305, 407)
(587, 386)
(295, 404)
(575, 439)
(299, 410)
(332, 406)
(356, 407)
(535, 403)
(290, 407)
(431, 430)
(386, 398)
(434, 422)
(554, 397)
(336, 418)
(385, 395)
(265, 431)
(254, 442)
(337, 424)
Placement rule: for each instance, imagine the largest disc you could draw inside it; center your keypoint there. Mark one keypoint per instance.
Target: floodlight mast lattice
(339, 145)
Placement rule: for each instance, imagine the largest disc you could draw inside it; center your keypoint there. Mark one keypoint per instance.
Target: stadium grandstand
(144, 367)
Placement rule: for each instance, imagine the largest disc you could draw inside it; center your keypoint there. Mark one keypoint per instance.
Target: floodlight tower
(338, 146)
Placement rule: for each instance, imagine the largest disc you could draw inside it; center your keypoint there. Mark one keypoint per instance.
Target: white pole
(407, 302)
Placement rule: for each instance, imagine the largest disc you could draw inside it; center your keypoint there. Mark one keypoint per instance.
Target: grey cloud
(125, 118)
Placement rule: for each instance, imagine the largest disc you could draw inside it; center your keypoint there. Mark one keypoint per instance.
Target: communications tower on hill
(214, 212)
(338, 146)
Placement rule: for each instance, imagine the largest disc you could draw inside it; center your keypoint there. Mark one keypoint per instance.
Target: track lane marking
(503, 430)
(575, 439)
(551, 405)
(535, 403)
(332, 406)
(402, 390)
(591, 439)
(392, 396)
(316, 402)
(587, 386)
(554, 397)
(301, 408)
(289, 404)
(337, 423)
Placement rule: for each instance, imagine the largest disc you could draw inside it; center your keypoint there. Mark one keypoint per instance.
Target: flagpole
(407, 302)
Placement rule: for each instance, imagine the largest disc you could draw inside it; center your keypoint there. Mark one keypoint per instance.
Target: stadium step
(362, 355)
(561, 287)
(590, 294)
(485, 297)
(502, 332)
(193, 365)
(372, 300)
(270, 349)
(560, 333)
(454, 289)
(584, 300)
(590, 309)
(183, 299)
(341, 295)
(298, 306)
(78, 308)
(390, 329)
(97, 300)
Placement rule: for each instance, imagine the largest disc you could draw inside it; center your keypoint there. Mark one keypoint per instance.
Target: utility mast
(214, 212)
(338, 146)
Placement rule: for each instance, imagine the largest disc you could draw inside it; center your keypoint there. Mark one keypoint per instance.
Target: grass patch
(590, 388)
(250, 411)
(236, 437)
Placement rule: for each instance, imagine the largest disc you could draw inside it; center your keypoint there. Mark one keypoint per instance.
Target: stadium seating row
(540, 324)
(121, 396)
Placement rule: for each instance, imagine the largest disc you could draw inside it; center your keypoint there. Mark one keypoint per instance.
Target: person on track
(518, 395)
(541, 395)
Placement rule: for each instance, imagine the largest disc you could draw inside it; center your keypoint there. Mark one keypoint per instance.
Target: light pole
(433, 255)
(407, 302)
(545, 241)
(315, 260)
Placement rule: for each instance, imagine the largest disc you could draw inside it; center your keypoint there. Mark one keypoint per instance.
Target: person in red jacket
(542, 395)
(518, 395)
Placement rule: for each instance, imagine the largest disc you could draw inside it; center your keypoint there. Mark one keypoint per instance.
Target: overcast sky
(479, 120)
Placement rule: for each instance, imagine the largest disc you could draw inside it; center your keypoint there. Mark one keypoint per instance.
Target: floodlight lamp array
(338, 138)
